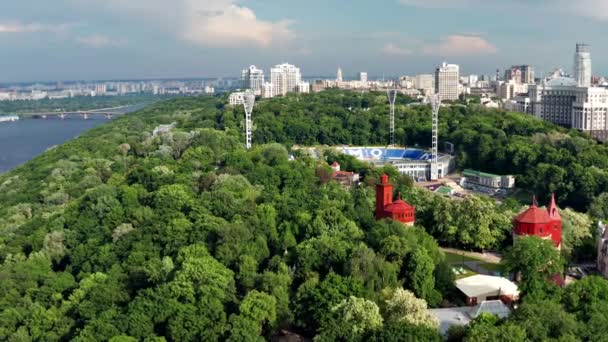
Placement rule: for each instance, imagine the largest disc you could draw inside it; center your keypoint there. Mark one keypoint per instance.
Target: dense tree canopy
(124, 235)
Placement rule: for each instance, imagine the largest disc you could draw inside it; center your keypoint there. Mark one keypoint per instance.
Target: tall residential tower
(582, 65)
(253, 78)
(285, 78)
(447, 78)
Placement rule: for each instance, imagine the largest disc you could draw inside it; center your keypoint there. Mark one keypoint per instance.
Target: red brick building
(385, 207)
(544, 223)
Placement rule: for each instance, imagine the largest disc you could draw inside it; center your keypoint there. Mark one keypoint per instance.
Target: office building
(339, 77)
(253, 78)
(285, 78)
(582, 65)
(447, 77)
(560, 100)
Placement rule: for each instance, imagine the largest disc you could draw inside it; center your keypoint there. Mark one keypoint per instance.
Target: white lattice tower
(435, 105)
(392, 97)
(249, 101)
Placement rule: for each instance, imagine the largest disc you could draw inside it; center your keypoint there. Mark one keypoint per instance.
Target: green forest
(76, 103)
(122, 235)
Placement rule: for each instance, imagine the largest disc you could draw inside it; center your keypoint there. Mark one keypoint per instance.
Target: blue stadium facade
(409, 161)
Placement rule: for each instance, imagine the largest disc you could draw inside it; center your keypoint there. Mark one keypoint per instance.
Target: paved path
(493, 258)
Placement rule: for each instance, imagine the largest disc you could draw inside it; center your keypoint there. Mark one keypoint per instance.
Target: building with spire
(339, 77)
(544, 223)
(385, 207)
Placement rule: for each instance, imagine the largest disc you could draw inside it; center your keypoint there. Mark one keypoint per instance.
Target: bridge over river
(108, 113)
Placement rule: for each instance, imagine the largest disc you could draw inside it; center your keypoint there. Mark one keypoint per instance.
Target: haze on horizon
(116, 39)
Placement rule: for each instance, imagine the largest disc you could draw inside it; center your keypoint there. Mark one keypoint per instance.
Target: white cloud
(393, 50)
(215, 23)
(597, 9)
(460, 45)
(234, 26)
(16, 27)
(101, 41)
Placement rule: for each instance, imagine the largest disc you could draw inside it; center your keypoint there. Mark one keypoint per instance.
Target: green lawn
(453, 258)
(467, 273)
(491, 267)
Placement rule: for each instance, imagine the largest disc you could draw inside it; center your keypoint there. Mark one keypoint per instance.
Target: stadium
(415, 163)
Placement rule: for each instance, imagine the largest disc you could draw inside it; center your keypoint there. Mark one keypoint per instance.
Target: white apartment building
(510, 89)
(303, 87)
(363, 77)
(237, 98)
(268, 90)
(285, 78)
(253, 78)
(447, 77)
(426, 83)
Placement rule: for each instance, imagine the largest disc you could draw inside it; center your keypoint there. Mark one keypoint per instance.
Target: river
(23, 140)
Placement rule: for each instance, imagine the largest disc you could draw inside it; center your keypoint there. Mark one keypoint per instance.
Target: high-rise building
(363, 77)
(339, 75)
(582, 65)
(447, 78)
(253, 78)
(520, 74)
(285, 78)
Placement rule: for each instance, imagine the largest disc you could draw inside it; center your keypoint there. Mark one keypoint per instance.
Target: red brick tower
(384, 196)
(386, 208)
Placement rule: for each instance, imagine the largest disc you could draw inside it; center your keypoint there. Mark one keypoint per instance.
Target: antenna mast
(249, 101)
(435, 105)
(392, 97)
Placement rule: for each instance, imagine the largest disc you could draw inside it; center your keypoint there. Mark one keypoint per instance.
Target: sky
(45, 40)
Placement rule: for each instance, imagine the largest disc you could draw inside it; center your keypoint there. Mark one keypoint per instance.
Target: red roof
(533, 214)
(399, 206)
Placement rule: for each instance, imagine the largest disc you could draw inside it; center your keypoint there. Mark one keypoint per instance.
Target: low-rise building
(480, 288)
(236, 99)
(478, 178)
(462, 316)
(345, 178)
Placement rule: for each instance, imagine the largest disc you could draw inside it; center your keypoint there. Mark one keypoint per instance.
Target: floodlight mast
(392, 97)
(435, 105)
(249, 101)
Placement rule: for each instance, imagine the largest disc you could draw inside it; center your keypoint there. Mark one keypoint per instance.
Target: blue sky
(118, 39)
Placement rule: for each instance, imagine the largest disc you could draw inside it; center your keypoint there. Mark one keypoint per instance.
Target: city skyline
(217, 38)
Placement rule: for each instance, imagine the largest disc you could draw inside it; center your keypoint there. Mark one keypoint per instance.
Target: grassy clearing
(467, 272)
(453, 258)
(491, 267)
